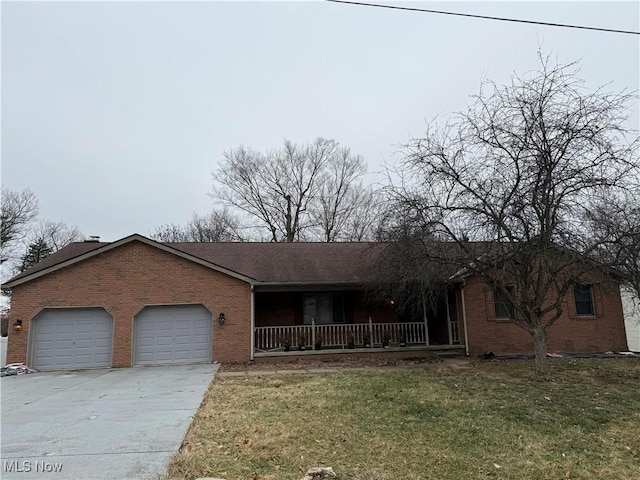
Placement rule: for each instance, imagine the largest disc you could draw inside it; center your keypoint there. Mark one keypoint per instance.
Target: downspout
(253, 321)
(464, 321)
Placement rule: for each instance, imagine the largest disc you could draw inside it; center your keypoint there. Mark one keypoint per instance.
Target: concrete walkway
(123, 423)
(338, 369)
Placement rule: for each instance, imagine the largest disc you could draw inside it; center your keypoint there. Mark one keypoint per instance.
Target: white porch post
(253, 322)
(426, 322)
(313, 333)
(446, 302)
(464, 322)
(370, 333)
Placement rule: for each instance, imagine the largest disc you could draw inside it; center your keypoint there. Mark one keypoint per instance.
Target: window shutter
(597, 299)
(571, 303)
(489, 304)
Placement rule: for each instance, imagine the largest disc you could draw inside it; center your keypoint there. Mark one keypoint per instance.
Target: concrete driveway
(98, 424)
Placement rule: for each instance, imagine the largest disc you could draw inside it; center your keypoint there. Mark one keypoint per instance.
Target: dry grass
(484, 420)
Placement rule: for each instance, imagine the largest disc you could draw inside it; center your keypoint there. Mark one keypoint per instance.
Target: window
(503, 308)
(324, 307)
(583, 295)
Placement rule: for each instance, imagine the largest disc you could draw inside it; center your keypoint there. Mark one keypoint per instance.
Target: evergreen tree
(36, 252)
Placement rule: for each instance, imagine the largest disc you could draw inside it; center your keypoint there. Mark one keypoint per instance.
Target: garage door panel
(145, 358)
(47, 328)
(200, 338)
(72, 338)
(102, 342)
(164, 341)
(83, 344)
(158, 325)
(44, 344)
(64, 344)
(184, 340)
(64, 328)
(83, 359)
(84, 336)
(85, 327)
(201, 352)
(45, 361)
(62, 359)
(173, 334)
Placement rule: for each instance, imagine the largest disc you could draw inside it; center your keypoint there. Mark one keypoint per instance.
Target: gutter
(305, 286)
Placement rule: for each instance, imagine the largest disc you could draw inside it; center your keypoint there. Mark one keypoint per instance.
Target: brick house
(139, 302)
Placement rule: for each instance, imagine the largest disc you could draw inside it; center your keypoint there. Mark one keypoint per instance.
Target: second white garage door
(172, 334)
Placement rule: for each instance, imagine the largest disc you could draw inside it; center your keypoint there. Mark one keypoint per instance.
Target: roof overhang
(131, 238)
(306, 287)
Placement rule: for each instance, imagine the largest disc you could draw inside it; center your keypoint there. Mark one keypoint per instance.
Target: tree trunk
(540, 348)
(289, 229)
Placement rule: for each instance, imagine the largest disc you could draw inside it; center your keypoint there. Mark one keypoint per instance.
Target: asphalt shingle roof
(290, 262)
(281, 263)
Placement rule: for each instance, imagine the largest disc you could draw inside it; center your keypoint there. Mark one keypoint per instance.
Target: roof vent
(93, 238)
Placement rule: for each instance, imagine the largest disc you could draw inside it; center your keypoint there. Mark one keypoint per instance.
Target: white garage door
(70, 338)
(172, 334)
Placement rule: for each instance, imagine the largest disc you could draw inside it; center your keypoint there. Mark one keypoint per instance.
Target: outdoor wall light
(17, 325)
(221, 319)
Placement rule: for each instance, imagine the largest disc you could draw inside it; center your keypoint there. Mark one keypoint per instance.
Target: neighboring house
(631, 309)
(139, 302)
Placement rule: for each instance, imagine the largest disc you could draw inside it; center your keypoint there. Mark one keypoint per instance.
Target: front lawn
(484, 420)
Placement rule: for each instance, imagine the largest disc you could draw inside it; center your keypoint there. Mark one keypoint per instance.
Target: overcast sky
(115, 114)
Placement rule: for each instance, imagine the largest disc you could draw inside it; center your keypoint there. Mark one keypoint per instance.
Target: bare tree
(616, 223)
(405, 271)
(18, 211)
(344, 209)
(170, 232)
(362, 223)
(337, 185)
(217, 226)
(295, 192)
(55, 234)
(512, 182)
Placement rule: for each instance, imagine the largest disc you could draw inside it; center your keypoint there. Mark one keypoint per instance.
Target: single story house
(136, 301)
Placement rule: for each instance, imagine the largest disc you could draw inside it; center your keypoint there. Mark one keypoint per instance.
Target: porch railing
(454, 333)
(339, 336)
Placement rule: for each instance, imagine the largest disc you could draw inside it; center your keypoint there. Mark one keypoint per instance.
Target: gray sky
(115, 114)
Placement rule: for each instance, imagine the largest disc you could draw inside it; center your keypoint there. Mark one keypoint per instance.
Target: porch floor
(449, 350)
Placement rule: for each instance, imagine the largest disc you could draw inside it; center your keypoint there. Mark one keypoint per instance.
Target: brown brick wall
(285, 308)
(599, 333)
(126, 279)
(379, 313)
(278, 308)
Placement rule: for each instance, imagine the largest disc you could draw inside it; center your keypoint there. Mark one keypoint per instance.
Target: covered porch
(343, 321)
